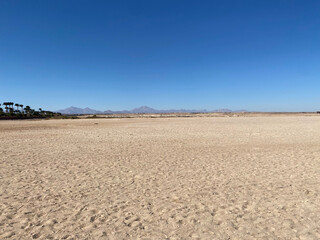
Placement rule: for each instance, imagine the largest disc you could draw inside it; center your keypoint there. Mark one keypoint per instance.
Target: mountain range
(143, 109)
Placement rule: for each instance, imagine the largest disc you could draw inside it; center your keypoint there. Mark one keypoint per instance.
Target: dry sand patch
(168, 178)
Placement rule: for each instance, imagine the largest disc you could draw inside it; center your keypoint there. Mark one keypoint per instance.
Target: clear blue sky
(255, 55)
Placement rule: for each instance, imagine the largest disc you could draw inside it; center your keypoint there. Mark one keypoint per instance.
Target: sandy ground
(175, 178)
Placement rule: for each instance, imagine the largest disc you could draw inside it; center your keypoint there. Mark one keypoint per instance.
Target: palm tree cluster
(15, 110)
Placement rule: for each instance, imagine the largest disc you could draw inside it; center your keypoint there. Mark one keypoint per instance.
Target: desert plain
(254, 177)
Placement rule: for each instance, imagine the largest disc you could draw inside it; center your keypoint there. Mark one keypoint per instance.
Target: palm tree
(11, 104)
(6, 104)
(17, 106)
(21, 106)
(27, 109)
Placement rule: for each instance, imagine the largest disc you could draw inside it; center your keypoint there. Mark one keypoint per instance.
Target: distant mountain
(116, 112)
(241, 110)
(75, 110)
(143, 109)
(222, 110)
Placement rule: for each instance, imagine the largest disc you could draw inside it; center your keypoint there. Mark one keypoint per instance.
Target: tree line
(11, 110)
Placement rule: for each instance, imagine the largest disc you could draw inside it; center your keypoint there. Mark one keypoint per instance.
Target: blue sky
(255, 55)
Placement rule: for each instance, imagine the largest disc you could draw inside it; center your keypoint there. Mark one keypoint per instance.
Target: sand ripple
(192, 178)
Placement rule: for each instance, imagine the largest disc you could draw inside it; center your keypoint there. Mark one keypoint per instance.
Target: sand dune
(175, 178)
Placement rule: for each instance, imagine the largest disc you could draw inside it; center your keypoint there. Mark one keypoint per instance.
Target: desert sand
(168, 178)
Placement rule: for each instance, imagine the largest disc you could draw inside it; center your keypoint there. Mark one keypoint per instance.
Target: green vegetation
(10, 110)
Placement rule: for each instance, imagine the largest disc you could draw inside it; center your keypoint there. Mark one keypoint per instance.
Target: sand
(168, 178)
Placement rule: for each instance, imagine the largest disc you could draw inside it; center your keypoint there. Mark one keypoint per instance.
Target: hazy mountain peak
(76, 110)
(142, 109)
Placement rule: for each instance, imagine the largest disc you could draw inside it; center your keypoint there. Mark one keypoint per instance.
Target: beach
(161, 178)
